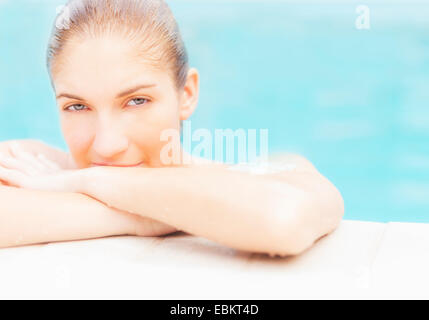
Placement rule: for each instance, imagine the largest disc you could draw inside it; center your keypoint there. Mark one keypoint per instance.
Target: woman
(120, 74)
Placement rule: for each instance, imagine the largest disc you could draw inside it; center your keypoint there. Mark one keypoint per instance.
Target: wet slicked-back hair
(149, 24)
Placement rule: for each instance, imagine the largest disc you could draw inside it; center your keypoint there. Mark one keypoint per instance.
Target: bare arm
(280, 212)
(31, 217)
(276, 214)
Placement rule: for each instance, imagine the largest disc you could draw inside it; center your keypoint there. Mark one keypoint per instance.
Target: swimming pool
(353, 101)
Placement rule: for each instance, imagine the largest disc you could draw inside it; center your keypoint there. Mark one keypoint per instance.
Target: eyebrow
(67, 95)
(132, 90)
(120, 95)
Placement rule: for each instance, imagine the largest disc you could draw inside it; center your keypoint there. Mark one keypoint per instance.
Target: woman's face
(114, 106)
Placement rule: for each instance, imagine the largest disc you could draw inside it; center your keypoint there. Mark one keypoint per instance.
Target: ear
(190, 94)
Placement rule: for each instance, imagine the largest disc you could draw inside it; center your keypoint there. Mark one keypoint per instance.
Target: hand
(58, 156)
(22, 169)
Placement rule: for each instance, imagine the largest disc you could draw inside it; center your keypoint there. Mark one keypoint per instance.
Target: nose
(110, 142)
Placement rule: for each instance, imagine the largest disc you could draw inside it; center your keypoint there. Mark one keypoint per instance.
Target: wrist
(91, 181)
(75, 180)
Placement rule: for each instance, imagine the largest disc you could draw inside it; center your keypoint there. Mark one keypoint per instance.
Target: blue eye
(76, 107)
(137, 102)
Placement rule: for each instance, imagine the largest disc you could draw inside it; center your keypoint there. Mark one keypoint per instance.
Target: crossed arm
(279, 213)
(34, 216)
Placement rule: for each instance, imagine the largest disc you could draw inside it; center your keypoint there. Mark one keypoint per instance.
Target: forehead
(105, 65)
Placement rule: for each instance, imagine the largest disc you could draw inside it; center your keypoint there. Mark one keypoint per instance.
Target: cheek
(146, 127)
(78, 134)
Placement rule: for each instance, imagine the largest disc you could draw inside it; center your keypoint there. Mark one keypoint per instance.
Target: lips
(116, 165)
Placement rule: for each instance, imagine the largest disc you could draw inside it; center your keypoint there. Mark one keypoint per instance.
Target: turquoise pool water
(355, 102)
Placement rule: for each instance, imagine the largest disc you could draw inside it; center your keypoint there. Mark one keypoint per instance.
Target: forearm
(31, 217)
(282, 211)
(238, 210)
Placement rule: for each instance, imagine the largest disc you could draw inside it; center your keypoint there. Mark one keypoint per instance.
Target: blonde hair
(149, 23)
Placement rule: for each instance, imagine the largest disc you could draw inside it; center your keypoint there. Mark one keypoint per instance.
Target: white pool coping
(362, 260)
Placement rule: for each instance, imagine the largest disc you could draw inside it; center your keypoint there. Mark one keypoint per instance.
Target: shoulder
(277, 163)
(35, 146)
(28, 144)
(299, 162)
(290, 161)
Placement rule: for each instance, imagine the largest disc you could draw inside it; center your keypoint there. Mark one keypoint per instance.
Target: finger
(16, 164)
(48, 163)
(5, 150)
(31, 160)
(3, 183)
(12, 177)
